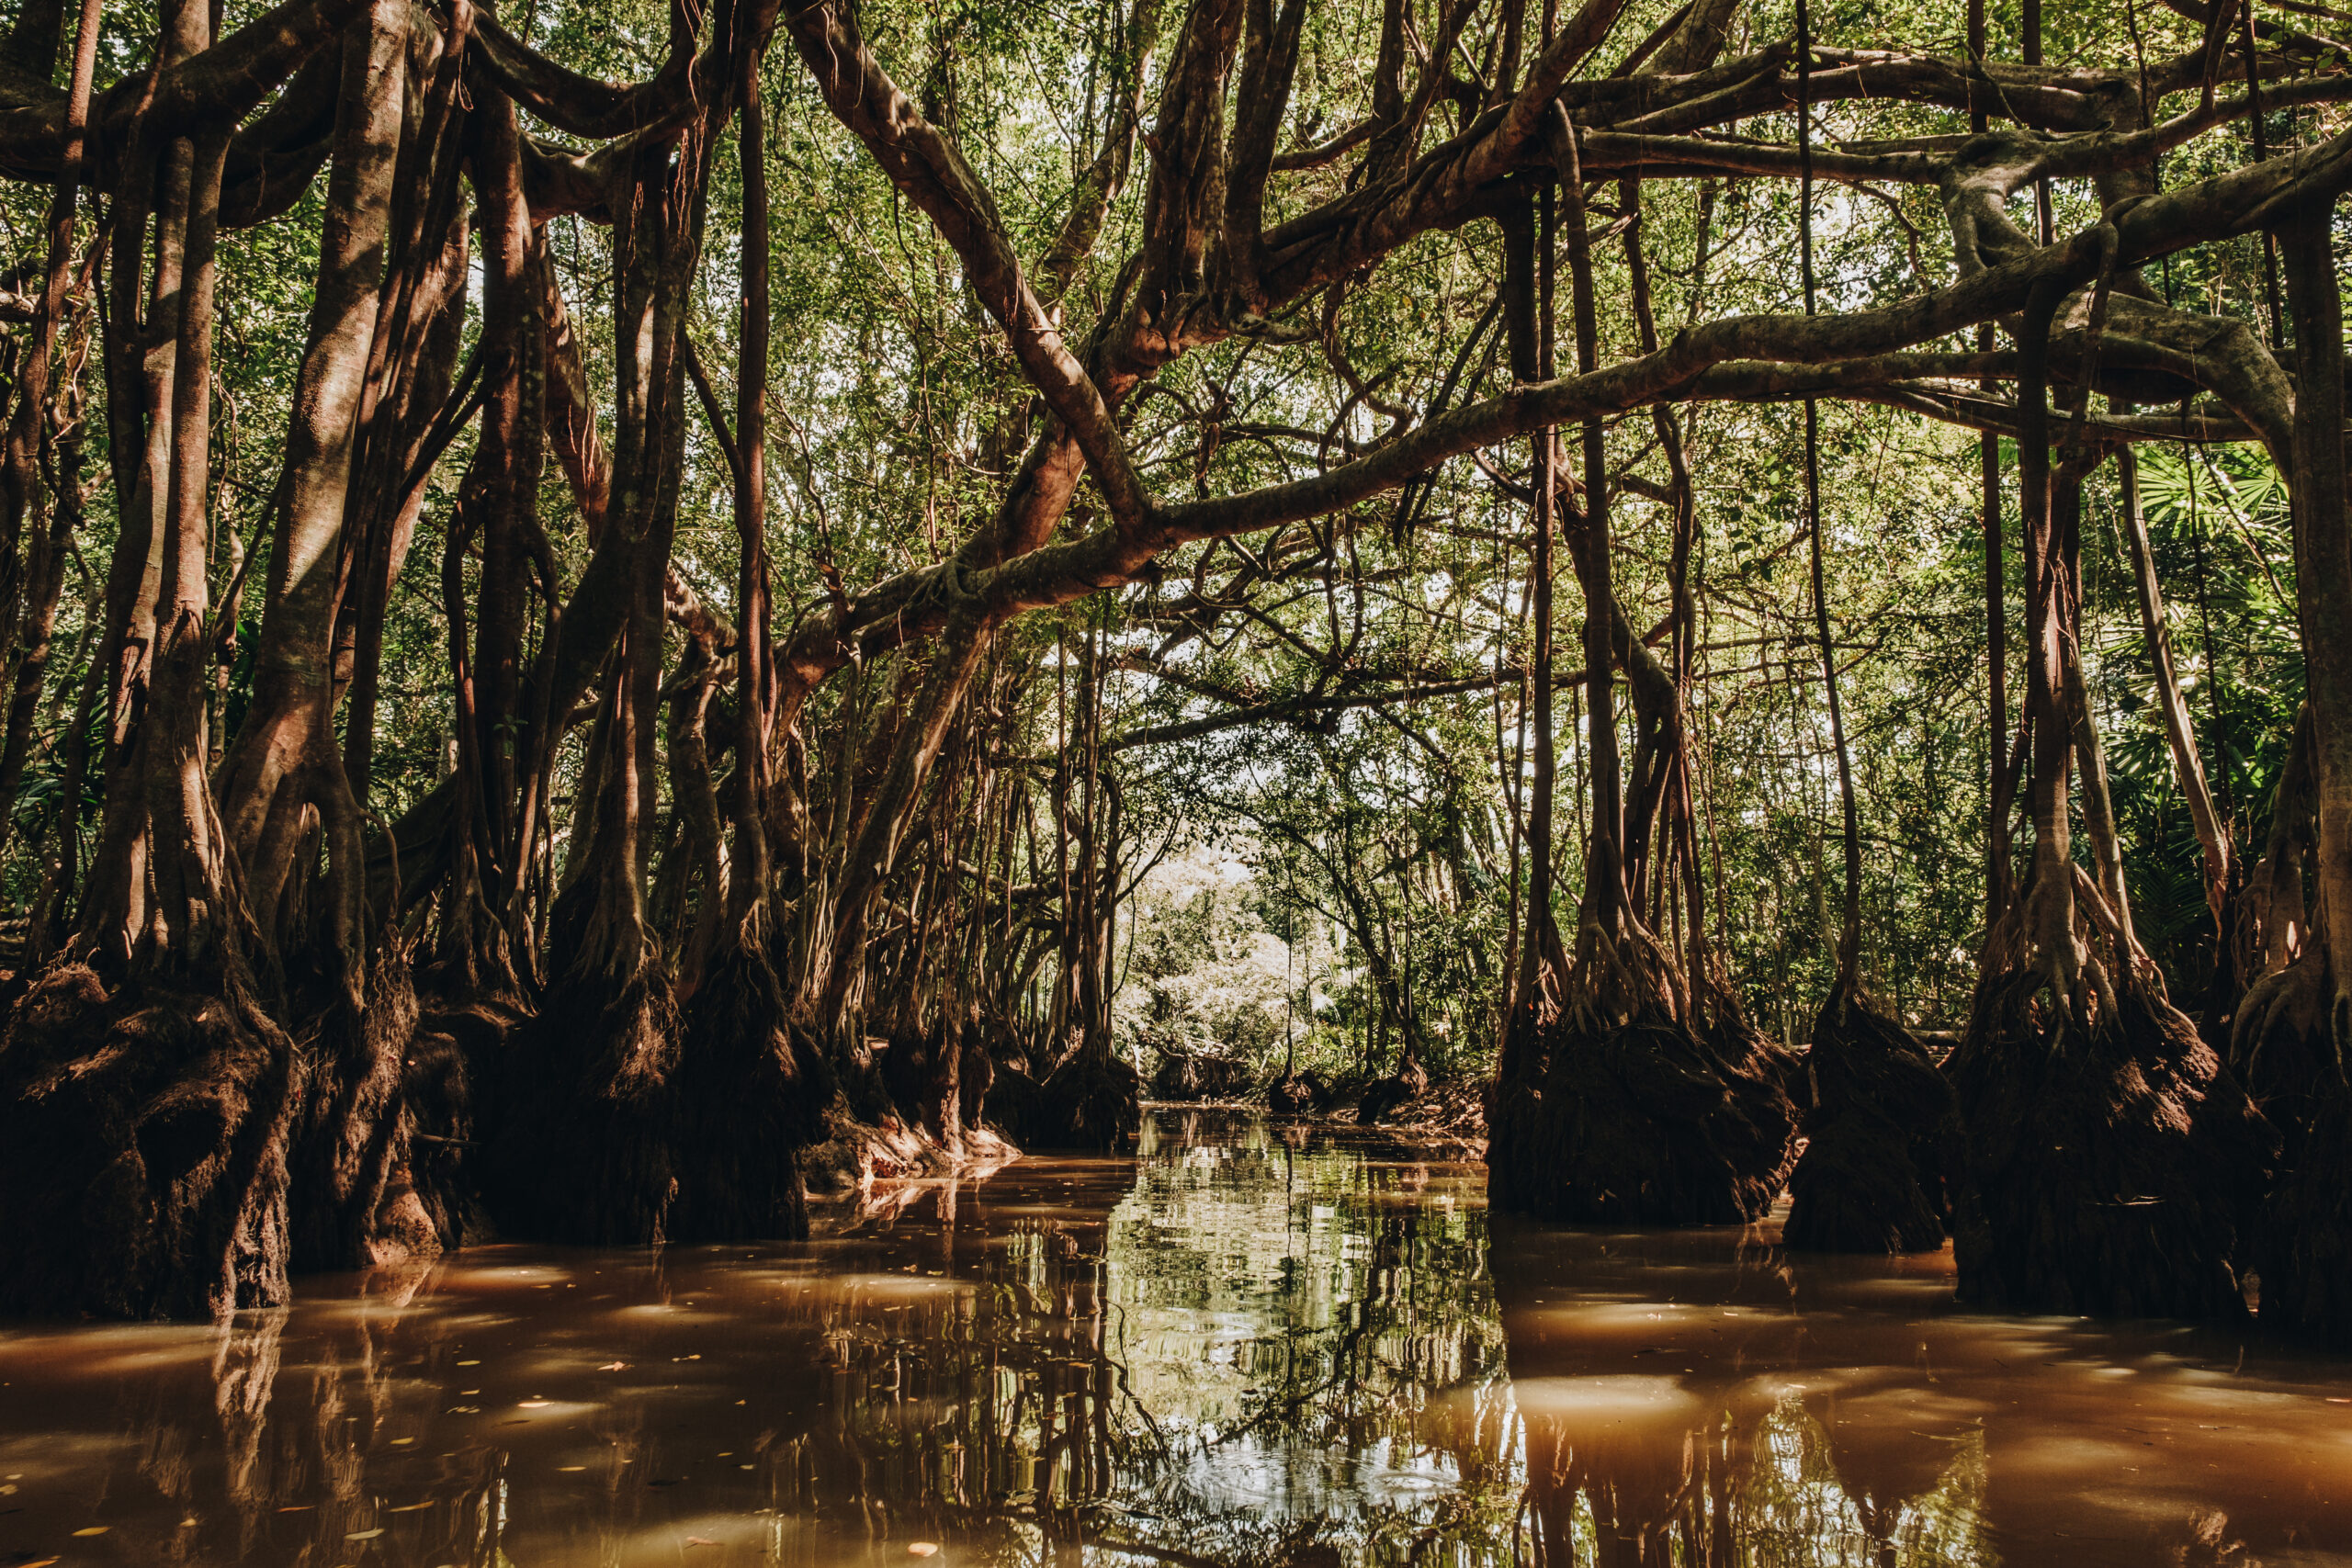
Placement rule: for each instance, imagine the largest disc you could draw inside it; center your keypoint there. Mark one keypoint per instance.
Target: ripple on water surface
(1243, 1345)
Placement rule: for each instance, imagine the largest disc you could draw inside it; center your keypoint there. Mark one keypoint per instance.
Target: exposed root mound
(351, 1132)
(1648, 1124)
(751, 1092)
(2279, 1050)
(1083, 1105)
(1298, 1094)
(856, 1156)
(1383, 1098)
(925, 1071)
(975, 1073)
(1446, 1121)
(456, 1061)
(1879, 1130)
(1188, 1074)
(585, 1149)
(2305, 1253)
(143, 1144)
(2107, 1171)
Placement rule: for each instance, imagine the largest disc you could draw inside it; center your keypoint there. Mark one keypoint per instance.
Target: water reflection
(1700, 1398)
(1238, 1347)
(1231, 1348)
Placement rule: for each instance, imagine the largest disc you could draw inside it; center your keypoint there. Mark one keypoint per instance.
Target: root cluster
(585, 1152)
(1088, 1104)
(1650, 1122)
(2111, 1168)
(751, 1092)
(144, 1140)
(1880, 1131)
(1298, 1094)
(2304, 1250)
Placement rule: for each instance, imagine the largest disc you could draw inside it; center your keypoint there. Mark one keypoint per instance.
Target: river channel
(1246, 1344)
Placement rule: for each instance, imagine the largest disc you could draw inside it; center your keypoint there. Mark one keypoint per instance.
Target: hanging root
(1646, 1122)
(754, 1092)
(2110, 1169)
(1878, 1131)
(584, 1151)
(144, 1146)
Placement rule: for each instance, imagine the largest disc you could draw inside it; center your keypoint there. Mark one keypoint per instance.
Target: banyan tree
(738, 838)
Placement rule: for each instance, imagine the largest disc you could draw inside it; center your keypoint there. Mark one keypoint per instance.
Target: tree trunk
(2307, 1245)
(1617, 1107)
(149, 1099)
(2111, 1161)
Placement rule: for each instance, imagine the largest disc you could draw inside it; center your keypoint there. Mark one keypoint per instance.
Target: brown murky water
(1237, 1348)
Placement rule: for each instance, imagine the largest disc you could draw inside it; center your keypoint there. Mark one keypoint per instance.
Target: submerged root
(2109, 1170)
(1878, 1130)
(1647, 1122)
(144, 1144)
(753, 1092)
(584, 1150)
(2305, 1249)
